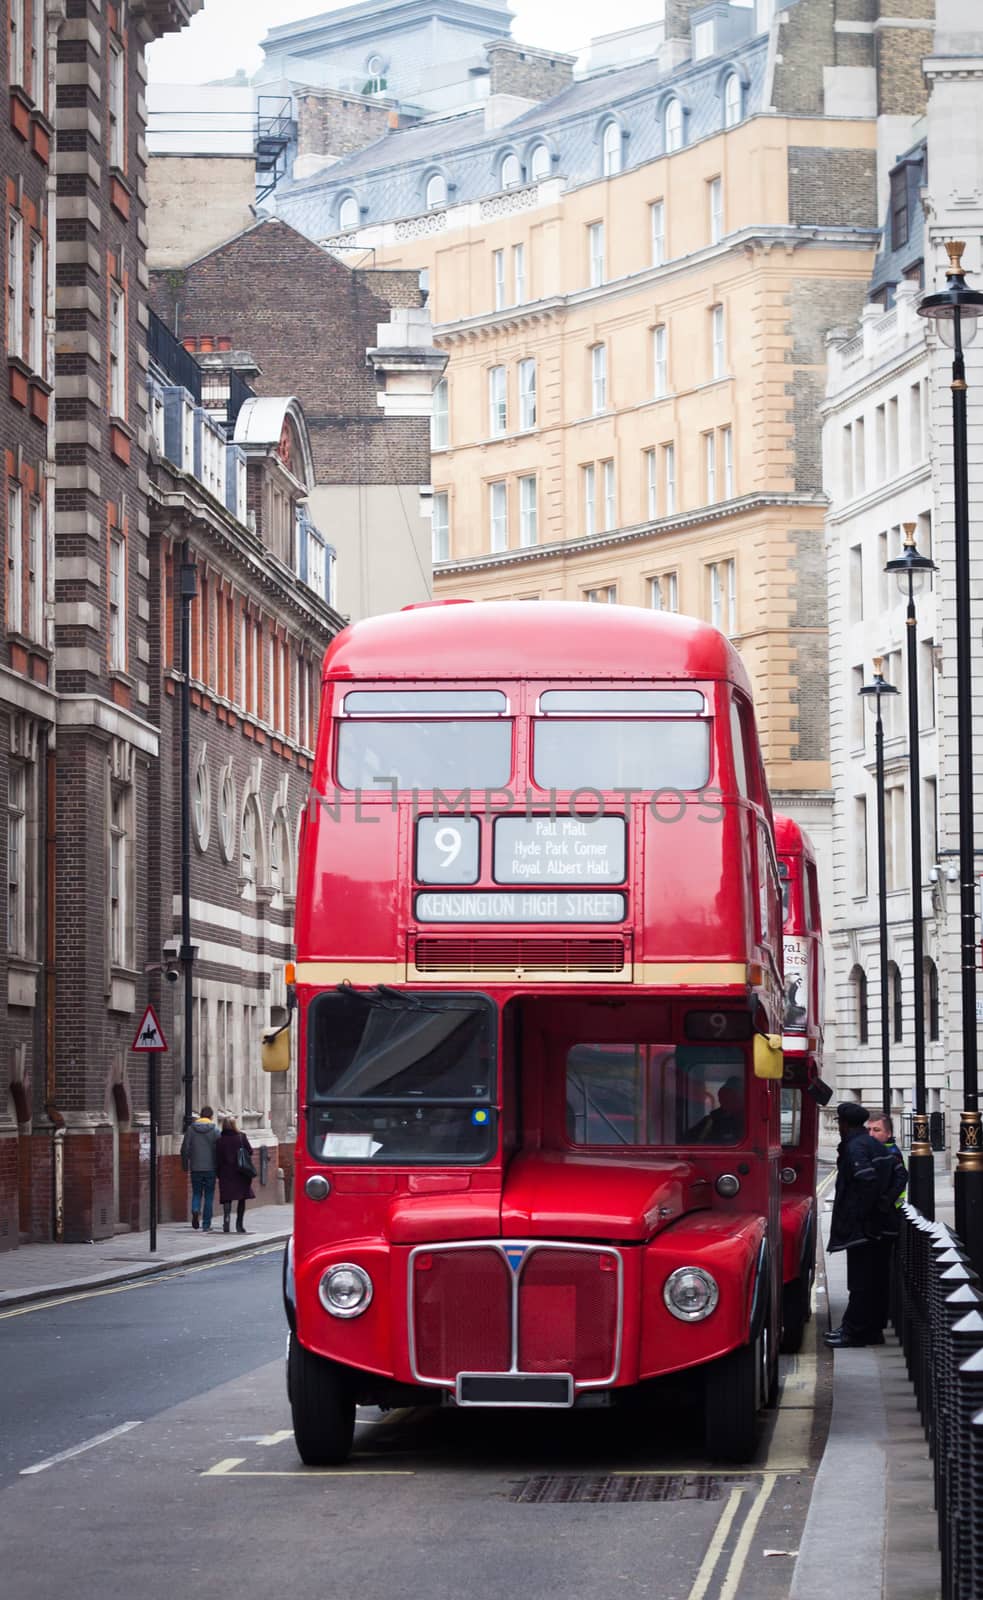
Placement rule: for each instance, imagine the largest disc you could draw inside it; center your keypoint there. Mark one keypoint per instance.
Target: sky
(226, 33)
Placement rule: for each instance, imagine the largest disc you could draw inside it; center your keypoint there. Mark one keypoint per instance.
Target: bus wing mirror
(276, 1049)
(768, 1059)
(820, 1091)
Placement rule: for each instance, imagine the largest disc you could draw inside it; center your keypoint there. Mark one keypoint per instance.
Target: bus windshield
(655, 1094)
(394, 1077)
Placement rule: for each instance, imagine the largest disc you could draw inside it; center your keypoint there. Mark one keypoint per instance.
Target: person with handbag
(234, 1164)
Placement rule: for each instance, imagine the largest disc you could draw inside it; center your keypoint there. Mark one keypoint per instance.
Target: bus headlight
(345, 1290)
(690, 1293)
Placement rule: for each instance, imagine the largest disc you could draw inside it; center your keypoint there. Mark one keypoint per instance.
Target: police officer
(863, 1172)
(881, 1128)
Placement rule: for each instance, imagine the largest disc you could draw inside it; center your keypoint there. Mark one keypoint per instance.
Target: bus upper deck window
(424, 739)
(622, 738)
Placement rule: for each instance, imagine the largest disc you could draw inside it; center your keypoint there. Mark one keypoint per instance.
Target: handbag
(245, 1163)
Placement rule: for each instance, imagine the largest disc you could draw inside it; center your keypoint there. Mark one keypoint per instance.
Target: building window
(348, 213)
(439, 419)
(673, 125)
(249, 845)
(499, 515)
(595, 250)
(17, 858)
(727, 451)
(607, 595)
(498, 279)
(859, 457)
(511, 172)
(226, 813)
(540, 164)
(436, 191)
(527, 511)
(733, 100)
(497, 409)
(856, 561)
(527, 394)
(599, 378)
(858, 983)
(117, 106)
(710, 467)
(916, 440)
(895, 1006)
(669, 477)
(35, 571)
(440, 525)
(518, 274)
(718, 357)
(38, 62)
(895, 836)
(859, 856)
(120, 850)
(704, 39)
(15, 284)
(17, 41)
(926, 673)
(660, 361)
(15, 558)
(664, 592)
(317, 566)
(201, 802)
(279, 855)
(931, 981)
(651, 485)
(117, 602)
(117, 351)
(611, 150)
(35, 306)
(858, 725)
(609, 507)
(589, 497)
(723, 595)
(715, 207)
(899, 208)
(657, 231)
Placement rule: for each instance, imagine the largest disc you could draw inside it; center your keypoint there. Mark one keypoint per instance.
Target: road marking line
(222, 1468)
(738, 1560)
(276, 1438)
(709, 1563)
(230, 1469)
(77, 1449)
(147, 1281)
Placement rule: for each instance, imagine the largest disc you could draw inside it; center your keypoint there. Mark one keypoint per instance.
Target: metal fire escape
(274, 134)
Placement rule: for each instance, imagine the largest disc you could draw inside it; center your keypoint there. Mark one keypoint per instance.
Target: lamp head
(879, 685)
(910, 568)
(956, 310)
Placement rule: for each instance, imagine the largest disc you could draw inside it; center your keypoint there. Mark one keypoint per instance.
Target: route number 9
(449, 842)
(447, 850)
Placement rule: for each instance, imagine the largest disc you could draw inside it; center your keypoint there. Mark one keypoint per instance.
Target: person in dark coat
(864, 1169)
(233, 1184)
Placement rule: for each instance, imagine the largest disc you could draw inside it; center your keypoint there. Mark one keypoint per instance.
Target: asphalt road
(207, 1488)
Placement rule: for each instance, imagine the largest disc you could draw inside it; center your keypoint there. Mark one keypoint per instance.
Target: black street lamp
(911, 569)
(874, 691)
(955, 312)
(188, 591)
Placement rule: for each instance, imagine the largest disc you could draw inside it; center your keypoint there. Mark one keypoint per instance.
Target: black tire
(732, 1395)
(795, 1306)
(322, 1404)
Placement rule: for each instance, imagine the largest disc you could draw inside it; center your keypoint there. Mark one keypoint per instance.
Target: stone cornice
(663, 528)
(157, 17)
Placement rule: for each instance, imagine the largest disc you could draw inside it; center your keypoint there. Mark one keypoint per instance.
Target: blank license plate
(514, 1389)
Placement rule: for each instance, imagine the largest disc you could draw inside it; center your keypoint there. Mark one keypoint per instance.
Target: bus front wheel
(732, 1396)
(322, 1404)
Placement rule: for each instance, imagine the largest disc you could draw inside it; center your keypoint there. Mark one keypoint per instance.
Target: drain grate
(623, 1488)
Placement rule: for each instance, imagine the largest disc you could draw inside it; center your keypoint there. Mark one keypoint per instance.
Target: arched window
(249, 844)
(733, 100)
(673, 125)
(858, 984)
(348, 213)
(511, 172)
(436, 191)
(540, 164)
(279, 854)
(895, 1016)
(611, 150)
(201, 801)
(931, 977)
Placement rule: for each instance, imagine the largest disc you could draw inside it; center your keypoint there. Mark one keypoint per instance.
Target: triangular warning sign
(150, 1035)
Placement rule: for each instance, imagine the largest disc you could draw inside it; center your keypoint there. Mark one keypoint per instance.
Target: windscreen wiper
(400, 1000)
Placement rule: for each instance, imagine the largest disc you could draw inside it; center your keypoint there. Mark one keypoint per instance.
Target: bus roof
(500, 639)
(790, 839)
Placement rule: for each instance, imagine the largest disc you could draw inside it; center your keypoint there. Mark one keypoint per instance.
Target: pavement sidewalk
(871, 1527)
(39, 1271)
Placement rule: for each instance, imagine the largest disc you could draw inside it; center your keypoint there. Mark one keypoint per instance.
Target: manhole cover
(615, 1489)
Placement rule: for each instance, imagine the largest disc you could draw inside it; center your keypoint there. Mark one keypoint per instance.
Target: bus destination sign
(555, 850)
(494, 906)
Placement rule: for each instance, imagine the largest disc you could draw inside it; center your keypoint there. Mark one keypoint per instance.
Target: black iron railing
(170, 356)
(936, 1130)
(938, 1314)
(239, 393)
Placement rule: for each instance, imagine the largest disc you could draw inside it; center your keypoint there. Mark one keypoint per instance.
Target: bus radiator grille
(507, 954)
(461, 1313)
(568, 1314)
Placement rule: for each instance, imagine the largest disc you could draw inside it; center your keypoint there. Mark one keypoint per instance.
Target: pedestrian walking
(864, 1168)
(881, 1128)
(198, 1149)
(235, 1174)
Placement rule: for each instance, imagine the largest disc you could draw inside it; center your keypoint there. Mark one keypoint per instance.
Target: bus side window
(737, 746)
(791, 1118)
(814, 921)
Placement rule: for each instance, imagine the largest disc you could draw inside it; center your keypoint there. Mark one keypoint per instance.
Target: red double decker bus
(539, 944)
(803, 1090)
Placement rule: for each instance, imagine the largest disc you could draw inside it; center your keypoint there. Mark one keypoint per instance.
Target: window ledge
(122, 424)
(117, 675)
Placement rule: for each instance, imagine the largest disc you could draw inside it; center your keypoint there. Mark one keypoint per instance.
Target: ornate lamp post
(911, 569)
(955, 312)
(874, 691)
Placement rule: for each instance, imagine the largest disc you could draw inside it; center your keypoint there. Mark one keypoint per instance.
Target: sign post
(150, 1041)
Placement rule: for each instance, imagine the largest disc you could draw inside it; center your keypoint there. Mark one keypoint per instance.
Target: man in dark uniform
(881, 1128)
(863, 1173)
